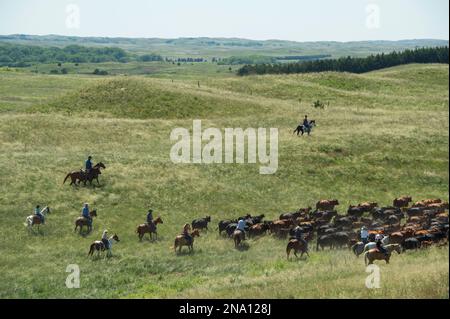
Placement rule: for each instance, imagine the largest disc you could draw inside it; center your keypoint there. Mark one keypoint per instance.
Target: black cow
(201, 223)
(411, 243)
(224, 223)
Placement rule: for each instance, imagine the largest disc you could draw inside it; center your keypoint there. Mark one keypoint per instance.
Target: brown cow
(396, 238)
(282, 223)
(258, 229)
(427, 202)
(326, 204)
(402, 201)
(367, 206)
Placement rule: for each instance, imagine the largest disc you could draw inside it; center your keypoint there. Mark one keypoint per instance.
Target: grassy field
(384, 134)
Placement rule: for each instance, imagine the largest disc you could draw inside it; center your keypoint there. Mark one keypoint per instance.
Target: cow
(201, 223)
(258, 229)
(326, 204)
(367, 206)
(410, 243)
(402, 201)
(283, 223)
(415, 211)
(224, 223)
(338, 239)
(355, 211)
(290, 215)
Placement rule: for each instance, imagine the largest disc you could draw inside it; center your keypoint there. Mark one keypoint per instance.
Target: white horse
(36, 220)
(98, 245)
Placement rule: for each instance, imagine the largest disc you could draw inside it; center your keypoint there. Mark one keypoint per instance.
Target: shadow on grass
(243, 247)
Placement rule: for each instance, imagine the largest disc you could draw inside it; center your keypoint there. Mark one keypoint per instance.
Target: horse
(297, 246)
(98, 245)
(360, 247)
(303, 129)
(142, 229)
(238, 237)
(375, 254)
(32, 220)
(82, 221)
(81, 175)
(180, 241)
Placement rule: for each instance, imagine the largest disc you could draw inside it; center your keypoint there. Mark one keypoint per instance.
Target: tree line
(17, 55)
(352, 64)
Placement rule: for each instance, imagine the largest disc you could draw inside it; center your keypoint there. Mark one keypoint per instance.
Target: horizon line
(222, 38)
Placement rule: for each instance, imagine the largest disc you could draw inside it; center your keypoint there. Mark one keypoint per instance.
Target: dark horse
(81, 175)
(303, 129)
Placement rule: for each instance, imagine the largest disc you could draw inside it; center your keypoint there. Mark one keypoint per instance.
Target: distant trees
(350, 64)
(150, 57)
(100, 72)
(15, 55)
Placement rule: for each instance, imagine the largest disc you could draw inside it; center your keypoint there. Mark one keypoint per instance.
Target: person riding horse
(306, 123)
(150, 222)
(298, 234)
(85, 214)
(241, 226)
(186, 234)
(105, 240)
(38, 213)
(378, 240)
(364, 235)
(88, 166)
(149, 216)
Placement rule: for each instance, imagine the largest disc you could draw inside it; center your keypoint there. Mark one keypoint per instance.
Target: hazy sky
(299, 20)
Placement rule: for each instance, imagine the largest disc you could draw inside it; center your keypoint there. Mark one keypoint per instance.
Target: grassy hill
(383, 134)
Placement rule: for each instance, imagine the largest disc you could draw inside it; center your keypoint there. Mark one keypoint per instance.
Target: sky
(296, 20)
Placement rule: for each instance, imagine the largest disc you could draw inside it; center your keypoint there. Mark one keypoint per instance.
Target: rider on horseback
(298, 234)
(364, 235)
(105, 239)
(306, 123)
(186, 234)
(241, 226)
(381, 249)
(149, 216)
(85, 213)
(88, 165)
(38, 213)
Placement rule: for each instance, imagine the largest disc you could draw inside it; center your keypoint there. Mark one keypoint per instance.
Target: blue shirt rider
(88, 164)
(241, 226)
(85, 213)
(38, 213)
(306, 122)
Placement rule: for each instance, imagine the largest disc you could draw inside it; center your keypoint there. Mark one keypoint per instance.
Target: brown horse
(375, 254)
(180, 241)
(81, 176)
(99, 246)
(238, 237)
(142, 229)
(297, 246)
(81, 221)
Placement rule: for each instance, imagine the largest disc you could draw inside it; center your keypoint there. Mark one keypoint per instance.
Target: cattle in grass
(201, 223)
(224, 223)
(326, 204)
(258, 229)
(402, 201)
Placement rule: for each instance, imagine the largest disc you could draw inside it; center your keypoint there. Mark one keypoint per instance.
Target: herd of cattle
(412, 226)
